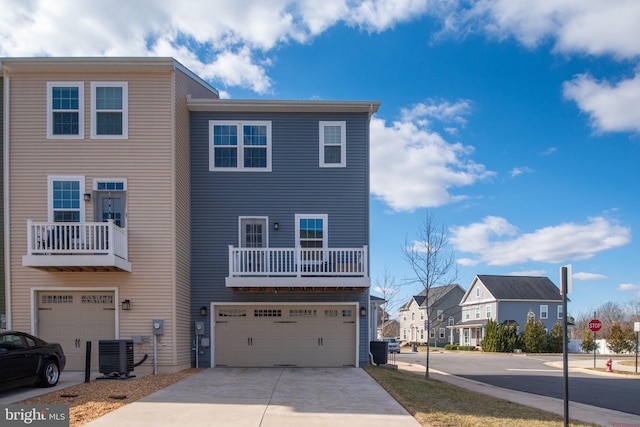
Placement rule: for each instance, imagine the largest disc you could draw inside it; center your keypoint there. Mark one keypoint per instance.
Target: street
(530, 374)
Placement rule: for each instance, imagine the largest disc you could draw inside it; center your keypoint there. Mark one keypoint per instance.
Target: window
(467, 314)
(421, 333)
(477, 292)
(109, 110)
(65, 107)
(440, 315)
(544, 311)
(559, 312)
(65, 199)
(333, 144)
(240, 146)
(477, 312)
(404, 317)
(421, 314)
(450, 321)
(432, 333)
(404, 333)
(441, 333)
(311, 231)
(488, 312)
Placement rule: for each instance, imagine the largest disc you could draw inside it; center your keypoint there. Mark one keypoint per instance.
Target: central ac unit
(115, 357)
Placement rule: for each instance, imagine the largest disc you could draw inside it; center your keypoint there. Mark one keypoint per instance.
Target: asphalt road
(530, 374)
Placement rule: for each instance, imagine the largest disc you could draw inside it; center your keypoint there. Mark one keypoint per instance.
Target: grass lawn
(439, 404)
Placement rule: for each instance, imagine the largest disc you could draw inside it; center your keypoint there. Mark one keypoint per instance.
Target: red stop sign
(595, 325)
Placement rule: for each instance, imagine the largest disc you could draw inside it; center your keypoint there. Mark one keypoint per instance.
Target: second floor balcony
(298, 268)
(76, 246)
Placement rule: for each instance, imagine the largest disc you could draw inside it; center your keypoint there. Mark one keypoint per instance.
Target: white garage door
(287, 335)
(72, 319)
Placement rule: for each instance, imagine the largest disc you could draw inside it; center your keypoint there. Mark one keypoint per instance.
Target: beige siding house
(97, 203)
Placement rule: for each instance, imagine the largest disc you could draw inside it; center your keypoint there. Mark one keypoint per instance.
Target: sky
(514, 123)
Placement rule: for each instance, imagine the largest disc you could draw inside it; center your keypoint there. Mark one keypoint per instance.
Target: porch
(298, 268)
(76, 246)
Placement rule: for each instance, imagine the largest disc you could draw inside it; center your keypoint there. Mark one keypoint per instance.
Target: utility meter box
(199, 327)
(157, 326)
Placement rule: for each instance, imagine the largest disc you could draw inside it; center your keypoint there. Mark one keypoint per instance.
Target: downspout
(7, 233)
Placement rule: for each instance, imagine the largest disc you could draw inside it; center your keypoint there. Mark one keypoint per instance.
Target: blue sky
(515, 123)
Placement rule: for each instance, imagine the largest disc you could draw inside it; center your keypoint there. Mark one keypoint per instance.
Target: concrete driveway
(266, 397)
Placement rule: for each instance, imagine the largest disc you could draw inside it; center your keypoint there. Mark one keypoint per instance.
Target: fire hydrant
(609, 364)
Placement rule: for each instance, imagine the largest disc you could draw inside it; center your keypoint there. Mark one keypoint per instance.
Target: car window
(12, 342)
(31, 343)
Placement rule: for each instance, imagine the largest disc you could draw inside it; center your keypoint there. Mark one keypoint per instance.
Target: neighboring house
(508, 300)
(97, 203)
(389, 329)
(423, 318)
(280, 231)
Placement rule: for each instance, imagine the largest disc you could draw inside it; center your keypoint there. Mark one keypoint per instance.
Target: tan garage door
(287, 335)
(72, 319)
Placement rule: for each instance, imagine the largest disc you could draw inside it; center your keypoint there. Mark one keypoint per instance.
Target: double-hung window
(311, 237)
(333, 144)
(65, 107)
(240, 146)
(544, 311)
(109, 110)
(66, 198)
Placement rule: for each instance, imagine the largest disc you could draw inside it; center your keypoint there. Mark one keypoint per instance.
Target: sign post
(565, 280)
(636, 329)
(595, 325)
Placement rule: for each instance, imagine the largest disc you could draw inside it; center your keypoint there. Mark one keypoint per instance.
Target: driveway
(266, 397)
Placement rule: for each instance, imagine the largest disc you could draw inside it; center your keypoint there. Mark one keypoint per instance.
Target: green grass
(439, 404)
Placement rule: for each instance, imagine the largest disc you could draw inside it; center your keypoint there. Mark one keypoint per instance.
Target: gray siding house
(508, 300)
(280, 232)
(425, 319)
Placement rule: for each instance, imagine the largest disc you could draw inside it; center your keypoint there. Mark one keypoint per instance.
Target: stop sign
(595, 325)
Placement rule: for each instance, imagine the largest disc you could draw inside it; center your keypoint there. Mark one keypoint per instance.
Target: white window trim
(125, 110)
(442, 333)
(546, 311)
(343, 145)
(240, 146)
(559, 312)
(50, 180)
(488, 312)
(325, 231)
(80, 86)
(266, 231)
(440, 315)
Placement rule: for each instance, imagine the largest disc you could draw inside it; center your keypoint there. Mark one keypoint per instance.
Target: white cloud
(496, 242)
(534, 273)
(519, 171)
(629, 287)
(588, 276)
(413, 167)
(593, 27)
(611, 107)
(223, 41)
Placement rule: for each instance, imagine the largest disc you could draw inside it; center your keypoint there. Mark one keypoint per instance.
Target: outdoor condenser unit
(115, 357)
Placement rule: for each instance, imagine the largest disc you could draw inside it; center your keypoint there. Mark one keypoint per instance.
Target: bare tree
(388, 289)
(432, 261)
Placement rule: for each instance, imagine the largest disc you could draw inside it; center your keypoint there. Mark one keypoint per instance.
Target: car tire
(50, 374)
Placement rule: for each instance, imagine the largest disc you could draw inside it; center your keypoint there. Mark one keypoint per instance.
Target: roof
(260, 105)
(435, 294)
(520, 288)
(142, 64)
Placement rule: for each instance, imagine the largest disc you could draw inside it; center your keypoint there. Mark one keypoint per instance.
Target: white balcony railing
(298, 262)
(76, 238)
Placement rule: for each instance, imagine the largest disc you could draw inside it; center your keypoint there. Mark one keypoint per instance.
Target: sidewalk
(577, 411)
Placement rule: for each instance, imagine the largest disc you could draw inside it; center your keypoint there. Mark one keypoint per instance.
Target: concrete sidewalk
(577, 411)
(266, 397)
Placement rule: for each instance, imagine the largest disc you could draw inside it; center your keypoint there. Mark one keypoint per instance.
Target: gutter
(7, 232)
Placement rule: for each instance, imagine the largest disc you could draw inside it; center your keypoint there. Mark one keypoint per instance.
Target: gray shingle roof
(435, 294)
(521, 288)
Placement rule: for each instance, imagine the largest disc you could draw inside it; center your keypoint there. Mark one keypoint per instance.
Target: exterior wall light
(276, 226)
(203, 311)
(363, 311)
(126, 304)
(87, 197)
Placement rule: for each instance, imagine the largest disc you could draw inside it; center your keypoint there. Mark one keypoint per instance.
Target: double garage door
(73, 318)
(303, 335)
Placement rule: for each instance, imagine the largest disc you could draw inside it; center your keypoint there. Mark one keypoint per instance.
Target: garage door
(287, 335)
(72, 319)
